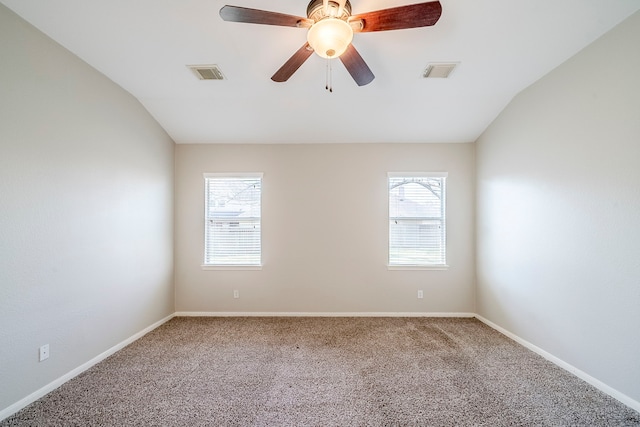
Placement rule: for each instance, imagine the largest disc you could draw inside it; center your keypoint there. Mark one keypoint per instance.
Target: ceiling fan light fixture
(330, 31)
(330, 37)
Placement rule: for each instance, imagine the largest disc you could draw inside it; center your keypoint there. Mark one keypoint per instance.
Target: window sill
(417, 267)
(231, 267)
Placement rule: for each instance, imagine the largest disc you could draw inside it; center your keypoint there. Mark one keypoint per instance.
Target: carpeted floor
(325, 372)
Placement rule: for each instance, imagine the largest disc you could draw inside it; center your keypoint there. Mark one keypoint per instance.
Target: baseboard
(10, 410)
(316, 314)
(634, 404)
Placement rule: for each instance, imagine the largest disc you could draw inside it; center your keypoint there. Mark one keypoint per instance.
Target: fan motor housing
(316, 11)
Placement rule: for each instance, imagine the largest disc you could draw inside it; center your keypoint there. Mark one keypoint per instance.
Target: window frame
(207, 217)
(421, 266)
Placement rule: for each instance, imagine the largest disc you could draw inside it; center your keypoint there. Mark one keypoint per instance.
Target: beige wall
(324, 230)
(86, 202)
(558, 221)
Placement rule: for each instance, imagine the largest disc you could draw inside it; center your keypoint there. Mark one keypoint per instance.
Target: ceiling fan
(330, 30)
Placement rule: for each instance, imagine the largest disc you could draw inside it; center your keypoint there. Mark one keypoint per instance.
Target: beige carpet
(325, 372)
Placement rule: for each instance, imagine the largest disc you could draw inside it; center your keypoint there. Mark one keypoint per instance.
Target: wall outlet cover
(44, 352)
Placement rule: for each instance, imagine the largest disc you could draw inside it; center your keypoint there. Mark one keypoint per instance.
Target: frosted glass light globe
(330, 37)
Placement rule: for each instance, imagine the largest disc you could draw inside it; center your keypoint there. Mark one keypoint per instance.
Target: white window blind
(232, 220)
(417, 226)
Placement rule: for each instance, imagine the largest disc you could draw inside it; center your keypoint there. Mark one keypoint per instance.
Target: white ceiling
(503, 46)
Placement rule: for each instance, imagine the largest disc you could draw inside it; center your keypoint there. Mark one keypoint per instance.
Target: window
(417, 228)
(232, 220)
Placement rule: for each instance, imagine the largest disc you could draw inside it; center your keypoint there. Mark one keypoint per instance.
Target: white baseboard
(316, 314)
(10, 410)
(634, 404)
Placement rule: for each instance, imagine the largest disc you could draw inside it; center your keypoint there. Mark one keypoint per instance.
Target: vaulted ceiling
(501, 47)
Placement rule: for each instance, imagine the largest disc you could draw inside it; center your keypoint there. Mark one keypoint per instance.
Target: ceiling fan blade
(257, 16)
(292, 65)
(399, 18)
(356, 66)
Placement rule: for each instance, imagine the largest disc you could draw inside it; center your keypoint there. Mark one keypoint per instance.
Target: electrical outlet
(236, 293)
(420, 294)
(44, 352)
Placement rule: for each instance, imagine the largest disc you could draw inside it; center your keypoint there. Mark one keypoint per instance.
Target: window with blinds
(232, 220)
(417, 221)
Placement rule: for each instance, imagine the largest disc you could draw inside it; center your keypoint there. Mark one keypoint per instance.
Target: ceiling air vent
(439, 70)
(207, 72)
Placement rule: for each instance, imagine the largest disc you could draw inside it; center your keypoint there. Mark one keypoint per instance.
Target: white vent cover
(207, 72)
(439, 70)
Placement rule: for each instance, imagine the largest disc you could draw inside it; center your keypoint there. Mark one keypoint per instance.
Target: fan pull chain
(329, 79)
(326, 86)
